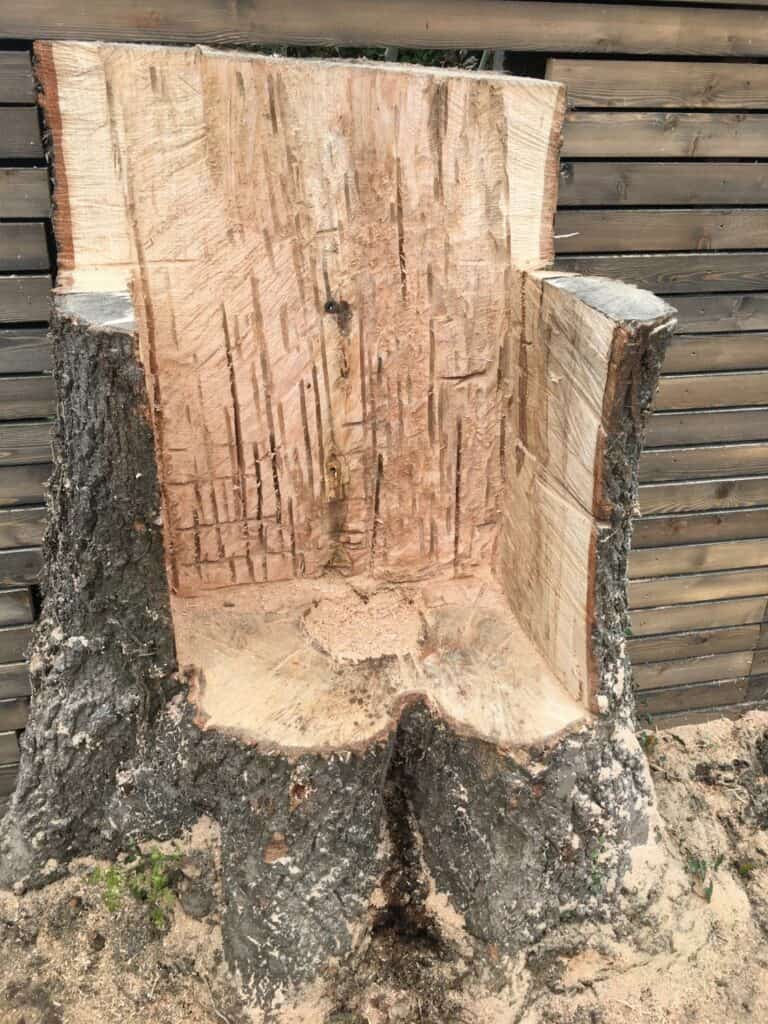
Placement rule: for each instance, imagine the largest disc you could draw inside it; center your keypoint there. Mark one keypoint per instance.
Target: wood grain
(23, 246)
(16, 608)
(673, 646)
(692, 698)
(671, 274)
(657, 135)
(712, 390)
(20, 565)
(699, 353)
(701, 527)
(25, 299)
(20, 134)
(722, 313)
(685, 558)
(702, 461)
(22, 527)
(701, 495)
(650, 85)
(676, 428)
(23, 485)
(23, 443)
(660, 230)
(706, 586)
(14, 680)
(27, 397)
(24, 350)
(24, 192)
(735, 611)
(708, 668)
(16, 82)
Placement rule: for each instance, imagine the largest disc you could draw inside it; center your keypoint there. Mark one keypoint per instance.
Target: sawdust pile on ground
(690, 945)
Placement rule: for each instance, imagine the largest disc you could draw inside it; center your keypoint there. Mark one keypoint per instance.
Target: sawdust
(687, 946)
(361, 626)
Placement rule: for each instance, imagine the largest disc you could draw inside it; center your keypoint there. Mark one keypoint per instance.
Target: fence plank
(25, 350)
(20, 134)
(658, 464)
(8, 777)
(14, 641)
(9, 748)
(24, 398)
(24, 192)
(16, 608)
(13, 714)
(702, 495)
(20, 565)
(16, 82)
(705, 586)
(23, 246)
(660, 135)
(712, 390)
(735, 611)
(22, 527)
(24, 299)
(708, 668)
(673, 428)
(688, 645)
(660, 230)
(678, 272)
(690, 698)
(684, 558)
(699, 353)
(632, 84)
(729, 311)
(699, 528)
(23, 443)
(14, 680)
(23, 485)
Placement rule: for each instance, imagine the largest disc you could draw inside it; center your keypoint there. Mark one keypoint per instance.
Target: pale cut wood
(679, 272)
(666, 561)
(13, 714)
(632, 84)
(14, 680)
(23, 485)
(675, 646)
(661, 183)
(664, 135)
(23, 443)
(701, 495)
(24, 192)
(712, 390)
(20, 134)
(23, 246)
(22, 527)
(736, 611)
(24, 299)
(726, 312)
(492, 24)
(20, 565)
(685, 705)
(16, 82)
(701, 527)
(708, 668)
(675, 428)
(9, 748)
(24, 350)
(665, 230)
(14, 642)
(16, 608)
(699, 353)
(705, 586)
(24, 398)
(700, 462)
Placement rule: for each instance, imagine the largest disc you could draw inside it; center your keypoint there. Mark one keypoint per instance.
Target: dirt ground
(688, 945)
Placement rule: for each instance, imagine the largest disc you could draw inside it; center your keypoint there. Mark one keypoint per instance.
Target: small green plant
(648, 741)
(596, 880)
(148, 877)
(745, 868)
(703, 873)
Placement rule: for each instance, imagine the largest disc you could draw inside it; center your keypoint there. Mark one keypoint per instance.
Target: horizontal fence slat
(25, 299)
(659, 464)
(656, 135)
(688, 645)
(20, 565)
(724, 312)
(16, 82)
(675, 428)
(737, 611)
(16, 608)
(22, 443)
(27, 398)
(13, 714)
(691, 698)
(660, 230)
(707, 668)
(14, 642)
(702, 495)
(23, 485)
(631, 84)
(22, 527)
(705, 586)
(24, 192)
(23, 246)
(9, 748)
(8, 777)
(712, 390)
(701, 353)
(25, 350)
(699, 528)
(20, 134)
(14, 680)
(678, 272)
(684, 558)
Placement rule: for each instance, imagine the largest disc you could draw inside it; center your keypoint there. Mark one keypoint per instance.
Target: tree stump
(341, 506)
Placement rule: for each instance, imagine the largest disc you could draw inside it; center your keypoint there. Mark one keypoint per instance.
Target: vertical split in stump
(339, 523)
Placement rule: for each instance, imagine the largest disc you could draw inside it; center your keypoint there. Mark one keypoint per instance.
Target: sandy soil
(687, 945)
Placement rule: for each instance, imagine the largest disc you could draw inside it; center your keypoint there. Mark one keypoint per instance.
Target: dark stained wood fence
(26, 389)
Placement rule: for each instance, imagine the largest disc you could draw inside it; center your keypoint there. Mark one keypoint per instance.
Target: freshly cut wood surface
(734, 611)
(702, 461)
(706, 586)
(722, 313)
(24, 350)
(27, 397)
(701, 527)
(625, 134)
(700, 495)
(675, 428)
(691, 557)
(686, 645)
(665, 230)
(16, 82)
(24, 192)
(698, 353)
(22, 527)
(712, 390)
(24, 299)
(678, 272)
(649, 85)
